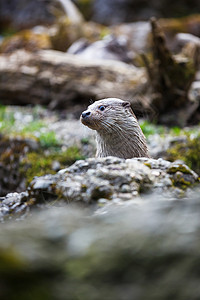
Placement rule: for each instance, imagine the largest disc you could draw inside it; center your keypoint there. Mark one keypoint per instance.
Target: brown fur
(117, 130)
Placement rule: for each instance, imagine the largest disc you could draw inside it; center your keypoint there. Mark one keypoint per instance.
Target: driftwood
(61, 80)
(170, 78)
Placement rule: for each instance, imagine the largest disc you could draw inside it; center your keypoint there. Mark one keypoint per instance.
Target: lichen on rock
(187, 150)
(95, 181)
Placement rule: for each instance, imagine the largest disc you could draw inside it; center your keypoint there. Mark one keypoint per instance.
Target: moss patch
(43, 162)
(151, 128)
(188, 151)
(29, 149)
(35, 128)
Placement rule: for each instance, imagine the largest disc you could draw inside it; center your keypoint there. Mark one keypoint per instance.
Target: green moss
(148, 165)
(150, 128)
(187, 151)
(85, 141)
(48, 139)
(41, 163)
(36, 129)
(176, 130)
(179, 168)
(7, 120)
(180, 181)
(33, 126)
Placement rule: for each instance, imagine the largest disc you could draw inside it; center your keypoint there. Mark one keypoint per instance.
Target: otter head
(117, 130)
(105, 114)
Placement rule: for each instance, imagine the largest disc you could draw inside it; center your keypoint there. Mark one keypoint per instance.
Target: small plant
(150, 128)
(176, 130)
(85, 141)
(48, 139)
(33, 126)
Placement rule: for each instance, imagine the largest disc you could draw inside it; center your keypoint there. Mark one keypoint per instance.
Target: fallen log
(58, 79)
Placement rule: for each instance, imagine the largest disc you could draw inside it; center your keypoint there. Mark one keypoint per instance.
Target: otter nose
(85, 114)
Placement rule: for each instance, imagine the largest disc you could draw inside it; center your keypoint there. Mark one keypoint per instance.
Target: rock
(178, 32)
(110, 48)
(186, 150)
(181, 39)
(137, 34)
(72, 132)
(159, 145)
(12, 151)
(60, 79)
(36, 141)
(183, 147)
(113, 179)
(15, 203)
(146, 250)
(194, 92)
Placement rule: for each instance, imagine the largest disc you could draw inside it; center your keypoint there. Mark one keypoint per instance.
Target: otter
(117, 130)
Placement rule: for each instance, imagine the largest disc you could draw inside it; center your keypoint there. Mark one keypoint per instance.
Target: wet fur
(118, 132)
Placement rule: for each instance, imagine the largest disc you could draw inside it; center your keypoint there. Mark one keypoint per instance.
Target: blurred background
(26, 14)
(100, 229)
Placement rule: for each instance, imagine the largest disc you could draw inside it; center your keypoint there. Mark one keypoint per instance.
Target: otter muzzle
(85, 114)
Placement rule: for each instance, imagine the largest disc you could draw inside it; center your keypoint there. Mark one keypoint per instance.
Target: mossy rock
(13, 150)
(188, 151)
(22, 159)
(48, 161)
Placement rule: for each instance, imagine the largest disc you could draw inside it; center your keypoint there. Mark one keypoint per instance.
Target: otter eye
(102, 107)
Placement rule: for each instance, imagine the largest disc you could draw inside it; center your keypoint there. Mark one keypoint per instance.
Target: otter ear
(126, 104)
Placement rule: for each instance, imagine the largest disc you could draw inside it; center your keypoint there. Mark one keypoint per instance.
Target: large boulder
(102, 181)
